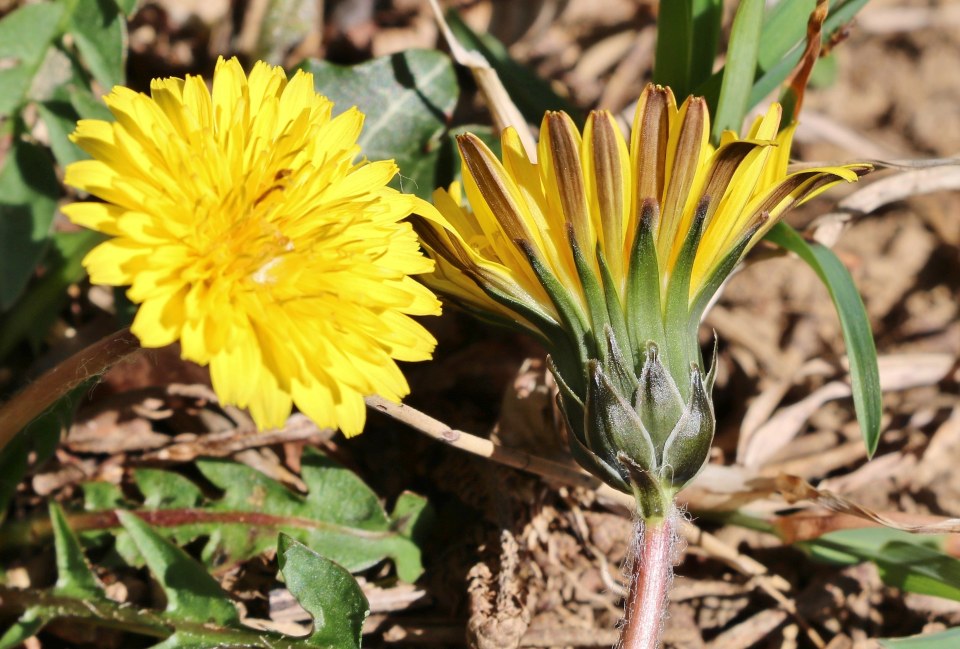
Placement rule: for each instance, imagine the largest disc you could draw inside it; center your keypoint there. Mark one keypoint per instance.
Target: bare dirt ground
(515, 561)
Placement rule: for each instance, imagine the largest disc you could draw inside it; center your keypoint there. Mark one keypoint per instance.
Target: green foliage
(408, 99)
(861, 349)
(738, 72)
(191, 593)
(198, 613)
(781, 44)
(28, 197)
(674, 46)
(25, 36)
(912, 563)
(33, 38)
(36, 310)
(53, 53)
(326, 591)
(340, 516)
(949, 639)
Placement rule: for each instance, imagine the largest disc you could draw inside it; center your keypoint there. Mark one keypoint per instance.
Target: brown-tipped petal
(446, 244)
(607, 159)
(648, 142)
(564, 151)
(684, 154)
(796, 188)
(487, 172)
(724, 164)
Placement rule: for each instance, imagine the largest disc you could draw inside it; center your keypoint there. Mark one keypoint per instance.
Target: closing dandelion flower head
(598, 192)
(247, 230)
(609, 251)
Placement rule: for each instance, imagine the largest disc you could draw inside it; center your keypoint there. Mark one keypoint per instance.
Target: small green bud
(638, 433)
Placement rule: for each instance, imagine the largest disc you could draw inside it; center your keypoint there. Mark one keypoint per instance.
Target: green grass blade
(674, 46)
(914, 563)
(861, 350)
(739, 71)
(781, 44)
(949, 639)
(707, 18)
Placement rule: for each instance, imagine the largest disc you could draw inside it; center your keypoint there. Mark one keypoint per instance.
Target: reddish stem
(34, 399)
(645, 608)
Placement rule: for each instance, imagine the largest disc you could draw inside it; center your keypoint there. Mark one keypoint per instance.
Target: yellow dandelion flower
(604, 193)
(247, 230)
(609, 251)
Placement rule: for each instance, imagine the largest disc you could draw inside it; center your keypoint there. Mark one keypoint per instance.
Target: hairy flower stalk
(609, 253)
(248, 230)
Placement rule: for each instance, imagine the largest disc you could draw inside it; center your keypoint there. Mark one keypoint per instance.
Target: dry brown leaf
(794, 489)
(943, 177)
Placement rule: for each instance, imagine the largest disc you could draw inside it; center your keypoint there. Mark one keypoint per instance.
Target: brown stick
(645, 609)
(517, 459)
(34, 399)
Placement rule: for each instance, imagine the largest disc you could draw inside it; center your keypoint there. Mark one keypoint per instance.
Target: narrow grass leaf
(861, 349)
(738, 73)
(781, 45)
(674, 46)
(910, 562)
(949, 639)
(707, 21)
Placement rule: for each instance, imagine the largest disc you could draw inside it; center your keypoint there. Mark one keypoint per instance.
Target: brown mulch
(517, 562)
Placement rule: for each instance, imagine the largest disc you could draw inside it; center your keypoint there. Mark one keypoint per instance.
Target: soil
(517, 561)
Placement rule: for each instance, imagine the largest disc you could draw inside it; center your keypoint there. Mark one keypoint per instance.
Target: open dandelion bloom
(247, 230)
(610, 253)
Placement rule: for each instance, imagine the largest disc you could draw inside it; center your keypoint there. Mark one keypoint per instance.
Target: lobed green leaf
(340, 516)
(191, 593)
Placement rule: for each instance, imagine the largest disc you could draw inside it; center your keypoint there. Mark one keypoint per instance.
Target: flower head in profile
(610, 252)
(248, 231)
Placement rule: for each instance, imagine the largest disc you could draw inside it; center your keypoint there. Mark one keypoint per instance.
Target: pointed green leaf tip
(861, 349)
(192, 594)
(328, 592)
(74, 577)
